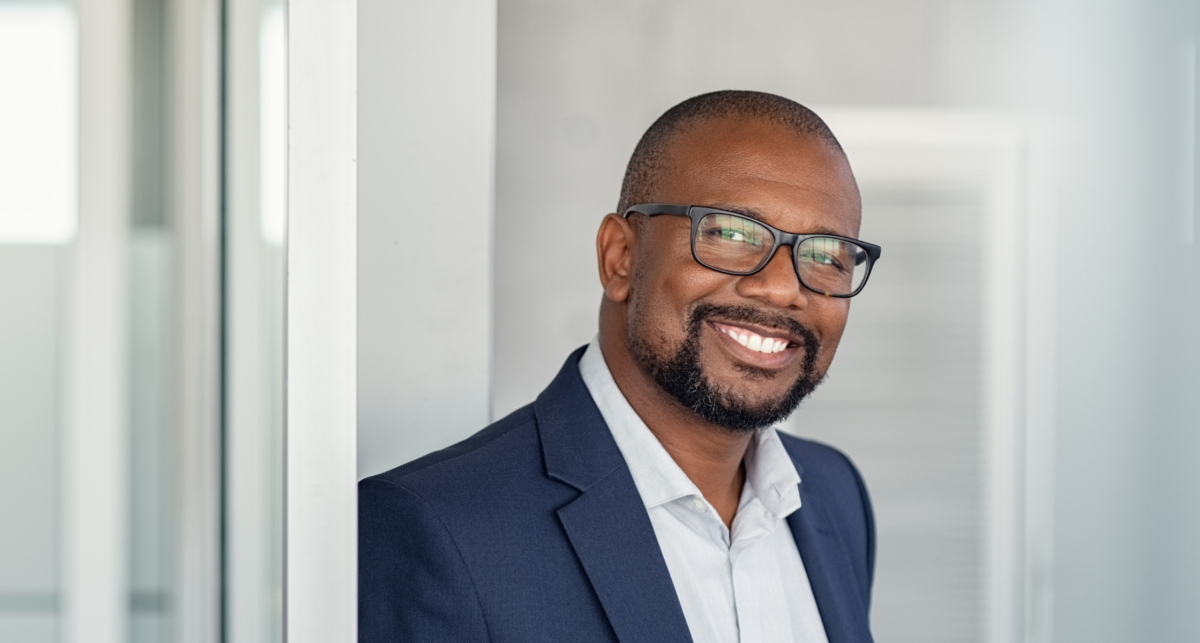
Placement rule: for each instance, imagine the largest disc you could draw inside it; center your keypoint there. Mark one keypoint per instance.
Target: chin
(729, 407)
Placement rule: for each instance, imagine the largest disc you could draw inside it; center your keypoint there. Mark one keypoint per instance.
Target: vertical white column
(95, 439)
(193, 138)
(427, 81)
(251, 450)
(1041, 369)
(1004, 384)
(321, 523)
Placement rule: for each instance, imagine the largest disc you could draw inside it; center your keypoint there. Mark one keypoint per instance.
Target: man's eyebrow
(751, 212)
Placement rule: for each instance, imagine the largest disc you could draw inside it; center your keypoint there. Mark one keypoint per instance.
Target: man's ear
(615, 243)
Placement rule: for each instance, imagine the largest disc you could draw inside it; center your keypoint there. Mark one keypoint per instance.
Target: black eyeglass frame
(782, 238)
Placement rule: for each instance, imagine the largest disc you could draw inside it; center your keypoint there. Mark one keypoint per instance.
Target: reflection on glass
(273, 133)
(38, 140)
(38, 187)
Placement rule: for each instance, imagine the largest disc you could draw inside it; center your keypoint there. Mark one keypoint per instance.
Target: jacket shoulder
(826, 471)
(487, 456)
(817, 459)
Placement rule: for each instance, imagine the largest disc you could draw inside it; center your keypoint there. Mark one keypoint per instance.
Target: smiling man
(645, 495)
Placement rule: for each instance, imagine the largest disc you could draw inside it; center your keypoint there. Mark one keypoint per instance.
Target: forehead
(795, 182)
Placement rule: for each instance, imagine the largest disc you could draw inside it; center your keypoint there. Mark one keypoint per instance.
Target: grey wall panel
(903, 399)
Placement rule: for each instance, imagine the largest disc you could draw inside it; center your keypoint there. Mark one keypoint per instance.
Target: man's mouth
(753, 340)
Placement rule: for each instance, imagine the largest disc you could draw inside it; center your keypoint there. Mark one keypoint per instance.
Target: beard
(682, 376)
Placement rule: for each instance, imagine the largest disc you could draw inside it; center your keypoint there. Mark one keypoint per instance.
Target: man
(645, 495)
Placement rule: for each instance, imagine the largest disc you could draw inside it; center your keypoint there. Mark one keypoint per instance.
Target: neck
(709, 455)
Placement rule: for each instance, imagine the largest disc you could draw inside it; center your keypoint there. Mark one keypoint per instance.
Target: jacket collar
(577, 446)
(607, 524)
(830, 573)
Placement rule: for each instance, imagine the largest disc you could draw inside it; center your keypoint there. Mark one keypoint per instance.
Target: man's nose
(776, 284)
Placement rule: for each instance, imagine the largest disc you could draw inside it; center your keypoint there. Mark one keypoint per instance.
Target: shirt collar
(659, 480)
(770, 472)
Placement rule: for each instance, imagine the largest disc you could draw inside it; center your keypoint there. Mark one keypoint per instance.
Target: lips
(752, 340)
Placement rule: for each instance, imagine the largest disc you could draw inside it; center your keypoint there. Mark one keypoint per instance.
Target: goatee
(682, 376)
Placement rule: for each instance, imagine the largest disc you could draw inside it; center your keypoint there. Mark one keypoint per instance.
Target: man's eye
(738, 236)
(816, 256)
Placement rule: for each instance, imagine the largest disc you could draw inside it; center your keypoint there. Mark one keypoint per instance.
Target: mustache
(751, 315)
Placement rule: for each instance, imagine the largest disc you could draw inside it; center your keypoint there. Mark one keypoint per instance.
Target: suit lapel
(615, 543)
(607, 524)
(829, 573)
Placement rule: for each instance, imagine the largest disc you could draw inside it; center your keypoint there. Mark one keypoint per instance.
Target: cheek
(830, 323)
(663, 293)
(657, 310)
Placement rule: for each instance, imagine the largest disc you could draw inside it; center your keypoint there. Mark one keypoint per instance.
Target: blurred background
(1021, 394)
(142, 169)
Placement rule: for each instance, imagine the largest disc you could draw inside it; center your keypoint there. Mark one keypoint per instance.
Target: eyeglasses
(736, 244)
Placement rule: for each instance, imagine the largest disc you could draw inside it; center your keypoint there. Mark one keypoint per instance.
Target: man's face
(684, 319)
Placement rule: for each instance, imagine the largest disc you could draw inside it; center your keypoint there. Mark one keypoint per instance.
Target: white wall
(1118, 79)
(425, 158)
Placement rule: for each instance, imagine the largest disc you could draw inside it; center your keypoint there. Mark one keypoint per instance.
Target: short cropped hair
(648, 160)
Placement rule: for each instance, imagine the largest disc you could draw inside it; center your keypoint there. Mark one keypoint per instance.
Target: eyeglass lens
(735, 244)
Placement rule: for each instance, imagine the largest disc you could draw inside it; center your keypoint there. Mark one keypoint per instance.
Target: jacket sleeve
(413, 584)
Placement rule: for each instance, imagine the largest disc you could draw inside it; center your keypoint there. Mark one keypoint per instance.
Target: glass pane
(38, 187)
(31, 285)
(152, 458)
(255, 229)
(153, 454)
(192, 414)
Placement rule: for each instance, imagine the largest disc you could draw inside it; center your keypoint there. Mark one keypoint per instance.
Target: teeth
(756, 342)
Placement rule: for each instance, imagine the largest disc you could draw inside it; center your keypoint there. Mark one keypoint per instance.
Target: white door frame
(321, 513)
(431, 156)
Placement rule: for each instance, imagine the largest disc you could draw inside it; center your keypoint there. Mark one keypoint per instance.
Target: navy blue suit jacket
(532, 530)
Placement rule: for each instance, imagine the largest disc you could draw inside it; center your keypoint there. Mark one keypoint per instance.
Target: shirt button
(699, 505)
